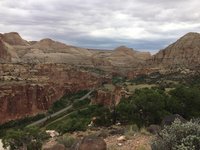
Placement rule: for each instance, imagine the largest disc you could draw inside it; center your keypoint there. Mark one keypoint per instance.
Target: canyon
(35, 74)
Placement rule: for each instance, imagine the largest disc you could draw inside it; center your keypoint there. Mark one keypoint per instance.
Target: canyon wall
(29, 89)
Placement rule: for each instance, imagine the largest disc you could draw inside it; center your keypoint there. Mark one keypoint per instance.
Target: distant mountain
(184, 52)
(15, 49)
(122, 57)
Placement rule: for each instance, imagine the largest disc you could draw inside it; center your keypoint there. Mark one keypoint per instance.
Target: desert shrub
(144, 131)
(66, 140)
(179, 136)
(73, 124)
(131, 130)
(30, 138)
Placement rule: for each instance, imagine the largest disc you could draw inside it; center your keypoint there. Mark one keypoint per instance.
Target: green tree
(185, 101)
(150, 105)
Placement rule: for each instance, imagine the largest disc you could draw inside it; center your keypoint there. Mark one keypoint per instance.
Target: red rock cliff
(27, 90)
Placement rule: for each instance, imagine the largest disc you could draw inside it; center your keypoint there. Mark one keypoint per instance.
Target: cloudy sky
(140, 24)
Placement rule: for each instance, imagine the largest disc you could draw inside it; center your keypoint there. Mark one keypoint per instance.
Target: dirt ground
(137, 142)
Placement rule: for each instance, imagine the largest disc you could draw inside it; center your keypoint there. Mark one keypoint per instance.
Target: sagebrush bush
(67, 141)
(131, 130)
(179, 136)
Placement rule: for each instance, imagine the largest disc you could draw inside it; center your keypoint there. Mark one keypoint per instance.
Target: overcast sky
(140, 24)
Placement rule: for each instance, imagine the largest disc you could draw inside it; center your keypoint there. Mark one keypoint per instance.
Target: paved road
(59, 112)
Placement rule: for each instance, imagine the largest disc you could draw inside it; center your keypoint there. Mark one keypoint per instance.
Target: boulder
(168, 120)
(154, 129)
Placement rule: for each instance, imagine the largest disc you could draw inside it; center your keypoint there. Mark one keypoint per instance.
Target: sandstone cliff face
(13, 38)
(184, 52)
(4, 55)
(108, 98)
(29, 89)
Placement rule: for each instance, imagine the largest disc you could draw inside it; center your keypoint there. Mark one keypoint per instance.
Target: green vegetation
(29, 138)
(79, 120)
(82, 103)
(67, 141)
(21, 123)
(146, 106)
(66, 100)
(58, 105)
(179, 136)
(185, 101)
(118, 80)
(149, 106)
(95, 70)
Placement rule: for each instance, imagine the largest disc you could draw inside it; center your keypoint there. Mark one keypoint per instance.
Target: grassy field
(129, 86)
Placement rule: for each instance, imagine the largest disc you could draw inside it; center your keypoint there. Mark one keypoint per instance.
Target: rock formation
(29, 89)
(108, 98)
(184, 52)
(35, 74)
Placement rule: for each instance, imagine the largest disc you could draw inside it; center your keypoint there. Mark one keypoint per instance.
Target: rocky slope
(184, 52)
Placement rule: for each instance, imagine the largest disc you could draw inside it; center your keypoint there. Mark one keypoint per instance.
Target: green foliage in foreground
(29, 138)
(149, 106)
(179, 136)
(185, 101)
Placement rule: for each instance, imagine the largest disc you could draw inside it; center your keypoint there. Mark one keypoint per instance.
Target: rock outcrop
(4, 54)
(108, 98)
(184, 52)
(13, 38)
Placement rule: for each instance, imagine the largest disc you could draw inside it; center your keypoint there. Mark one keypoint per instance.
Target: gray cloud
(140, 24)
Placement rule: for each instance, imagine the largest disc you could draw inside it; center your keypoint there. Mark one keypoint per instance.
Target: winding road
(59, 112)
